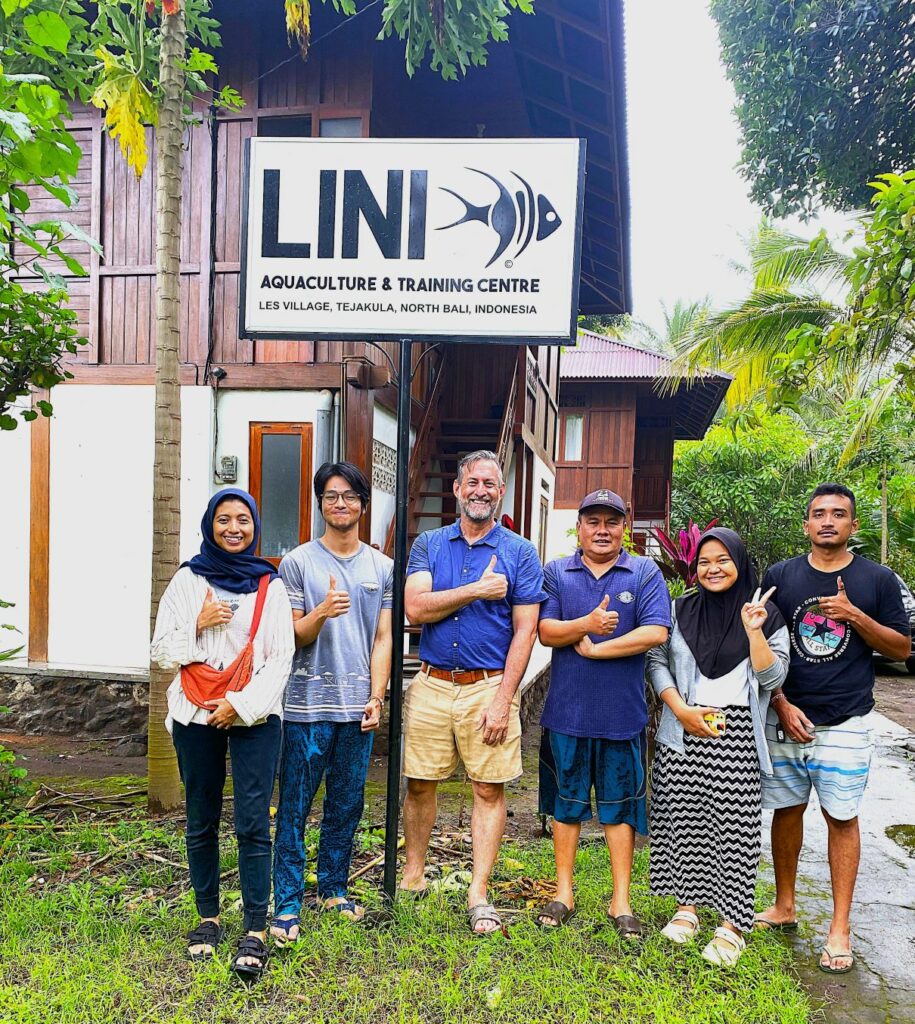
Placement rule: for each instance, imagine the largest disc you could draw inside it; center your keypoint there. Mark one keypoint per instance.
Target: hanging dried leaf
(298, 24)
(128, 108)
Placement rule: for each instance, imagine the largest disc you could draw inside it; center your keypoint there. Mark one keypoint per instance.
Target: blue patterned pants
(337, 752)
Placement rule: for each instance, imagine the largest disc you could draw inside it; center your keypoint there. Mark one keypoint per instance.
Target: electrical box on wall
(228, 469)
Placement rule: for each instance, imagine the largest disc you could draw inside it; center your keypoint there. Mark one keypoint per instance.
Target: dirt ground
(48, 757)
(895, 696)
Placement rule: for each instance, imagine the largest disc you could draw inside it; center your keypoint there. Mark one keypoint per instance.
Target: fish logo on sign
(512, 218)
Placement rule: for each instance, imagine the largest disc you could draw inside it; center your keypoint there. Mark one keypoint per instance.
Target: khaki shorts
(440, 720)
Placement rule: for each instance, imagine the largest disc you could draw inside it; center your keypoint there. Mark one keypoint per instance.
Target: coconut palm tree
(795, 299)
(791, 284)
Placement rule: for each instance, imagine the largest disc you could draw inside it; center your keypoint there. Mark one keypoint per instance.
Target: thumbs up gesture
(838, 608)
(337, 602)
(492, 585)
(601, 621)
(213, 612)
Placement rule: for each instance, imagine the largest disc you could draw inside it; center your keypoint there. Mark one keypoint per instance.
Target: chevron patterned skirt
(705, 821)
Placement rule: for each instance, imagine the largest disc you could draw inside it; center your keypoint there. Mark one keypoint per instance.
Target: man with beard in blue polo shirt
(604, 609)
(476, 589)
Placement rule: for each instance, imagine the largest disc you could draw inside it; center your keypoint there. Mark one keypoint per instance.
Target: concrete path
(882, 986)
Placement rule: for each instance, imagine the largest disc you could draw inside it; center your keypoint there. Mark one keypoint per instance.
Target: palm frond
(780, 259)
(874, 407)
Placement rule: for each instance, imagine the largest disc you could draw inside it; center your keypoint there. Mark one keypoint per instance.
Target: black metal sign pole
(395, 700)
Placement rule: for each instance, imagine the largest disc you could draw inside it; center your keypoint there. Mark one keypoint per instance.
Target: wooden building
(618, 420)
(266, 414)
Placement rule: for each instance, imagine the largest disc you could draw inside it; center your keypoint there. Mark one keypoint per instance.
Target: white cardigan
(176, 643)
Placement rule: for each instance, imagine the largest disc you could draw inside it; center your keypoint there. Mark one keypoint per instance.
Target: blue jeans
(201, 753)
(338, 752)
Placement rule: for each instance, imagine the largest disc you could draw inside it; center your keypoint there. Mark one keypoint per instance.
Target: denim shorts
(572, 766)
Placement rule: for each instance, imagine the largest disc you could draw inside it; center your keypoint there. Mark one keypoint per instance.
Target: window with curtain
(574, 430)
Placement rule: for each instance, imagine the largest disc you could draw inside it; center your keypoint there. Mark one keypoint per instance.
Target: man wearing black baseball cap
(604, 609)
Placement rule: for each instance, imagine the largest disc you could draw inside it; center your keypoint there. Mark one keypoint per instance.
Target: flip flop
(829, 969)
(558, 911)
(345, 907)
(285, 925)
(763, 924)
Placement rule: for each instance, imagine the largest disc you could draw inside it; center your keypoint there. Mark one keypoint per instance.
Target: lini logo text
(517, 217)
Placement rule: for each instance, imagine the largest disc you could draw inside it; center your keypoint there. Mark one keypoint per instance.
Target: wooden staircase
(439, 445)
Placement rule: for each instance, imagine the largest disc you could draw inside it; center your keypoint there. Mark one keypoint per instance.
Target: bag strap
(259, 604)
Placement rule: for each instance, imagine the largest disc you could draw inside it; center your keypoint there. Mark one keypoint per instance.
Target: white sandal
(681, 933)
(727, 955)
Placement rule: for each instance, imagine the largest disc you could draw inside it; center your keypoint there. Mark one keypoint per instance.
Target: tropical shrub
(678, 554)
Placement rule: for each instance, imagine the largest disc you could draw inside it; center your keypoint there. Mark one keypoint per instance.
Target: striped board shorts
(835, 763)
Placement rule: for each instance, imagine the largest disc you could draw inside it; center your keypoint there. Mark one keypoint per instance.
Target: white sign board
(412, 238)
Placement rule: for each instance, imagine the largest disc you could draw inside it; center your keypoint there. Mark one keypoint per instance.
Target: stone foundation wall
(78, 704)
(115, 707)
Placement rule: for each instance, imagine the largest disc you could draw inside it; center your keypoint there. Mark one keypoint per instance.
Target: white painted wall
(14, 526)
(197, 482)
(101, 517)
(100, 525)
(558, 544)
(101, 507)
(239, 409)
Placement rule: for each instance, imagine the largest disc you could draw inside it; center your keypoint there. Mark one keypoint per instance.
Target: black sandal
(253, 947)
(207, 933)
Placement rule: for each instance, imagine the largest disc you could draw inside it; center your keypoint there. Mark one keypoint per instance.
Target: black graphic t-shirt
(831, 674)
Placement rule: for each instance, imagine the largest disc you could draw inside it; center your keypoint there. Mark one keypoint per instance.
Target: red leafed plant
(678, 556)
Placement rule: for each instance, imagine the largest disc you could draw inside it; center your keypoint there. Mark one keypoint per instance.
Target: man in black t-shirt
(839, 608)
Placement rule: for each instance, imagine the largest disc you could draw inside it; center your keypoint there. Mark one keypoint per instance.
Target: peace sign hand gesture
(754, 614)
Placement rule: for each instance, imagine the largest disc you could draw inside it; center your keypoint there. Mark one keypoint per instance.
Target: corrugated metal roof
(595, 357)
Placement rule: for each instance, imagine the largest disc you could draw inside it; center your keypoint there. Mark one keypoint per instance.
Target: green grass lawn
(91, 932)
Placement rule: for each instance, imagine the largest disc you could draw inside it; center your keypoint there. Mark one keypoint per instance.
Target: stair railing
(506, 430)
(426, 436)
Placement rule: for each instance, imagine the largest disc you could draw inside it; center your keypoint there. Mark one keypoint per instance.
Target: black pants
(202, 762)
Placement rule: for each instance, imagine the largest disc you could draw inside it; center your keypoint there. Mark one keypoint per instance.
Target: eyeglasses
(332, 497)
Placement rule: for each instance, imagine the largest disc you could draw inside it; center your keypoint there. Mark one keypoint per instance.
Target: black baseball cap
(603, 499)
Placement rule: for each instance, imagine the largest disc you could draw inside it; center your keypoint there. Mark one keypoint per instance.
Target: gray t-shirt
(330, 680)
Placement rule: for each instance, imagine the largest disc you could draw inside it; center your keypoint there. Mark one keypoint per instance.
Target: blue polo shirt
(587, 697)
(479, 634)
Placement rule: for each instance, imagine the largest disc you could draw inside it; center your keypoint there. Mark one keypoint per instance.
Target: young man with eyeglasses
(340, 590)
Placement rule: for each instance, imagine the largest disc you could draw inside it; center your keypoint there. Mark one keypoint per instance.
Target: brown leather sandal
(557, 911)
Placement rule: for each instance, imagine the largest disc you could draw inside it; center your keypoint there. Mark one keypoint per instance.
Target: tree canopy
(40, 64)
(825, 96)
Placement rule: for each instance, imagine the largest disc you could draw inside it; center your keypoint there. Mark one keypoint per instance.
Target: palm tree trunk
(164, 787)
(884, 526)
